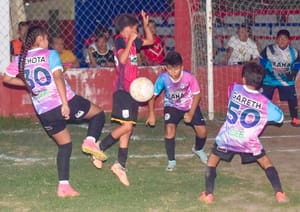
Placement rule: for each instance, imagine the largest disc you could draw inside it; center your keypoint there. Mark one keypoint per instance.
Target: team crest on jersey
(125, 114)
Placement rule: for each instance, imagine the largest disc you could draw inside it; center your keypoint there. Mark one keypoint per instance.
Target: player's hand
(145, 17)
(187, 117)
(65, 111)
(133, 36)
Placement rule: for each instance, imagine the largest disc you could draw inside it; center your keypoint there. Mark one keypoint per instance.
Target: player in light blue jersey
(282, 65)
(248, 113)
(181, 101)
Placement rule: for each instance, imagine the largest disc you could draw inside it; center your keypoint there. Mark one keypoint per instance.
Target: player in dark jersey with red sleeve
(125, 108)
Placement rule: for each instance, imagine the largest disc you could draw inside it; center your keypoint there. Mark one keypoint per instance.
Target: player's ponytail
(30, 39)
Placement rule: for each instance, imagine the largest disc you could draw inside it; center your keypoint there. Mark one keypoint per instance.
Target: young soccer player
(282, 64)
(40, 71)
(248, 113)
(125, 108)
(182, 97)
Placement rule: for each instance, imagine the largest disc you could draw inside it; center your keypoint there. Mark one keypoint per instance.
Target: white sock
(91, 138)
(65, 182)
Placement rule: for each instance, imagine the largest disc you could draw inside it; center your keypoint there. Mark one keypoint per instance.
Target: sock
(96, 125)
(273, 177)
(170, 148)
(293, 107)
(210, 176)
(122, 156)
(107, 142)
(199, 143)
(63, 161)
(64, 182)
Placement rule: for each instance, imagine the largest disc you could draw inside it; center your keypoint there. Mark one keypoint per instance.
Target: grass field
(28, 176)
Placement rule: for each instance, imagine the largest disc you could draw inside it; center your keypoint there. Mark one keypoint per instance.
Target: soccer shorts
(53, 121)
(285, 92)
(174, 116)
(125, 108)
(228, 155)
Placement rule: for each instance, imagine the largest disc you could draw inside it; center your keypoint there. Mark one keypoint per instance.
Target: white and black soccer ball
(141, 89)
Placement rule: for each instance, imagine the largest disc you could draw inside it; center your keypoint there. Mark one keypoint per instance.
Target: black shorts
(285, 92)
(53, 121)
(174, 116)
(227, 155)
(125, 108)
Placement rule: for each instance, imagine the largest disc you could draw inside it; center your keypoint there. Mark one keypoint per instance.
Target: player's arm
(148, 35)
(123, 54)
(188, 116)
(92, 61)
(229, 51)
(275, 114)
(13, 81)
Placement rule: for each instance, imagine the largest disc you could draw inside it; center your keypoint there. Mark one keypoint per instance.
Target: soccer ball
(141, 89)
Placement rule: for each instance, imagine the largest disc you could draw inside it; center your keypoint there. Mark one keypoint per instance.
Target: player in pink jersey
(40, 71)
(125, 108)
(182, 97)
(248, 113)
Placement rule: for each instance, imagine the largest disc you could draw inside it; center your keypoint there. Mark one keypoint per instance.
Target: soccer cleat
(295, 122)
(66, 190)
(281, 197)
(171, 165)
(120, 172)
(90, 147)
(201, 154)
(208, 199)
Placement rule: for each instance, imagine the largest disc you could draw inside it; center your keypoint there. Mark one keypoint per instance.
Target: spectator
(281, 70)
(241, 48)
(99, 53)
(17, 44)
(154, 54)
(68, 59)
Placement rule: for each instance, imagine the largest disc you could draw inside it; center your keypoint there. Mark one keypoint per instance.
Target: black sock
(96, 124)
(273, 177)
(210, 176)
(170, 148)
(293, 107)
(107, 142)
(199, 143)
(63, 161)
(122, 156)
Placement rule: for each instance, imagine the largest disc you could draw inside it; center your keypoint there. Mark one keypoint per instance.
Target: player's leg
(80, 109)
(288, 93)
(119, 167)
(273, 177)
(268, 91)
(55, 126)
(172, 116)
(199, 126)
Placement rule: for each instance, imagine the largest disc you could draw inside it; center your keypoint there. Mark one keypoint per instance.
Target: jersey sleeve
(54, 61)
(159, 85)
(120, 44)
(138, 44)
(230, 42)
(275, 114)
(12, 69)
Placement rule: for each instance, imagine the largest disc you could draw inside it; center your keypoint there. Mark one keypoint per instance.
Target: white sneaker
(171, 165)
(201, 154)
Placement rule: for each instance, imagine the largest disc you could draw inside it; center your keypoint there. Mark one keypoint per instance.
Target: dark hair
(283, 32)
(100, 35)
(173, 58)
(22, 24)
(125, 20)
(253, 74)
(151, 21)
(244, 26)
(32, 34)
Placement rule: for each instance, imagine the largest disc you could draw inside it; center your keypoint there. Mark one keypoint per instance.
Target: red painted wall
(96, 85)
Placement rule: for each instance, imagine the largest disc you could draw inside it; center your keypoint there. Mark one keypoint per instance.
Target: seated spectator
(99, 54)
(68, 59)
(16, 44)
(241, 48)
(154, 54)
